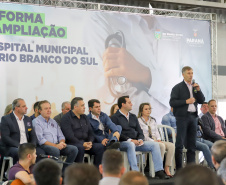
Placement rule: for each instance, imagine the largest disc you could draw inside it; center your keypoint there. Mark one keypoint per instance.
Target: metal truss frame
(214, 56)
(142, 10)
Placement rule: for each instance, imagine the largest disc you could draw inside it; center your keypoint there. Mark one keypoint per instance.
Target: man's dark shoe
(213, 169)
(113, 145)
(161, 175)
(146, 169)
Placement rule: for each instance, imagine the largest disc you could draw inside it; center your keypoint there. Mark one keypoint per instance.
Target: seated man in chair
(101, 124)
(23, 169)
(50, 136)
(16, 129)
(132, 137)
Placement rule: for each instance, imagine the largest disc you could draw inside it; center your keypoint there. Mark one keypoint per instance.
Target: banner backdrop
(56, 54)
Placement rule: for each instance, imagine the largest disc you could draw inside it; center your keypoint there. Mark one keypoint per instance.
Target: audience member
(101, 124)
(114, 109)
(214, 125)
(65, 107)
(133, 178)
(50, 136)
(204, 109)
(203, 144)
(77, 130)
(218, 151)
(16, 129)
(112, 167)
(195, 175)
(132, 137)
(82, 174)
(47, 172)
(8, 109)
(23, 168)
(151, 133)
(222, 170)
(36, 112)
(170, 120)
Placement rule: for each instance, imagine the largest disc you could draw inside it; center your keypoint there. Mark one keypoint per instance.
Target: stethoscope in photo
(118, 85)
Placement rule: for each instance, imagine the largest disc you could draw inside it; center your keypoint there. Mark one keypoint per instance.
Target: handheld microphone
(49, 156)
(192, 83)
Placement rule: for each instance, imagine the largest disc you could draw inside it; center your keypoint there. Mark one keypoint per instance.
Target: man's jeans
(148, 146)
(113, 138)
(205, 146)
(70, 151)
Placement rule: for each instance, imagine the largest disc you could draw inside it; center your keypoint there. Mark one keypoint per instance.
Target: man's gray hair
(186, 68)
(16, 103)
(64, 103)
(218, 150)
(222, 170)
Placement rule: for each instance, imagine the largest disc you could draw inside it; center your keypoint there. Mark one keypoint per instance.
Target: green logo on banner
(158, 34)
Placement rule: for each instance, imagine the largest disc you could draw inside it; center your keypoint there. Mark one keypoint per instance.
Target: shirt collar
(127, 116)
(18, 118)
(43, 119)
(171, 113)
(73, 114)
(213, 115)
(187, 83)
(94, 116)
(149, 119)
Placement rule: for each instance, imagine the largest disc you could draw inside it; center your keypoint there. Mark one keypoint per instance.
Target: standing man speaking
(184, 99)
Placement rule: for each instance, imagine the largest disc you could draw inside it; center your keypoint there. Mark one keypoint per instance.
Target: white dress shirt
(23, 137)
(191, 107)
(109, 181)
(101, 126)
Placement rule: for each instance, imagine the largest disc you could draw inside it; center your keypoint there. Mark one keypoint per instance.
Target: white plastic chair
(140, 161)
(89, 158)
(10, 159)
(164, 137)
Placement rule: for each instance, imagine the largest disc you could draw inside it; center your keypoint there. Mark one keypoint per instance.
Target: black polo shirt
(75, 130)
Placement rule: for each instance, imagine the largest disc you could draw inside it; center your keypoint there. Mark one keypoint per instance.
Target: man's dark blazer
(209, 127)
(130, 129)
(179, 94)
(10, 133)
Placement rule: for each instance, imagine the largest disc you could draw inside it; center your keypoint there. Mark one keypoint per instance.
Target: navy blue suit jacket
(130, 129)
(10, 133)
(209, 127)
(107, 123)
(179, 94)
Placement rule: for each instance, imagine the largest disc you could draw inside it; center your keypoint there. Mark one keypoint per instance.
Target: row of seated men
(206, 133)
(80, 137)
(80, 134)
(27, 172)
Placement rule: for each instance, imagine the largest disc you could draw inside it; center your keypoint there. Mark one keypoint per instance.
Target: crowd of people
(73, 134)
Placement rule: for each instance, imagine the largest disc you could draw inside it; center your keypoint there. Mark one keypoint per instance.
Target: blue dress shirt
(47, 131)
(169, 120)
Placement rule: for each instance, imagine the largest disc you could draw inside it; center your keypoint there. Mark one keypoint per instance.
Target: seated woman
(8, 109)
(151, 133)
(114, 109)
